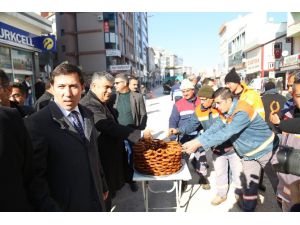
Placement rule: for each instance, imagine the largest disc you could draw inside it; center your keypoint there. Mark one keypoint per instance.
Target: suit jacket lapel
(88, 122)
(133, 105)
(64, 123)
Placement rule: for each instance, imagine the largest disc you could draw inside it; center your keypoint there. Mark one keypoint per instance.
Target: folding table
(182, 175)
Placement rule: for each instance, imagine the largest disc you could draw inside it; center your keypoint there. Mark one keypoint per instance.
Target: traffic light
(277, 50)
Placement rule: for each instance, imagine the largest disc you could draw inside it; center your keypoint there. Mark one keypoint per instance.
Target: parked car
(168, 82)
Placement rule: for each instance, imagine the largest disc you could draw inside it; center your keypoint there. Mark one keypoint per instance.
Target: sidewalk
(194, 199)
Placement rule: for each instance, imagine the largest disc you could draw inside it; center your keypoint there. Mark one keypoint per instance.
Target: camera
(288, 160)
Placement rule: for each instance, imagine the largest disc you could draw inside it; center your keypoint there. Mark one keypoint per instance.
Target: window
(243, 40)
(229, 48)
(22, 60)
(5, 61)
(277, 45)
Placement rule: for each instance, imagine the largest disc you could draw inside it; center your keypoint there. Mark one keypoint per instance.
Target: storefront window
(22, 60)
(5, 61)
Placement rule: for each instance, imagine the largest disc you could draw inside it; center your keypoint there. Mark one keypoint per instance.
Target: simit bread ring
(156, 157)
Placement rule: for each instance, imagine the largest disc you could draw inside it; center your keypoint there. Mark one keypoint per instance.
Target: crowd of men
(247, 133)
(72, 151)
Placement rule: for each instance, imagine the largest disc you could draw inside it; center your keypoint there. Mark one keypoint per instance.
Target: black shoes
(242, 206)
(133, 186)
(262, 187)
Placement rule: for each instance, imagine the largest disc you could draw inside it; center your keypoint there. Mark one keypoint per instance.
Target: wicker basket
(156, 157)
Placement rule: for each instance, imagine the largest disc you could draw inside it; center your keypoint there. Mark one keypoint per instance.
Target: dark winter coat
(111, 141)
(267, 99)
(43, 101)
(69, 174)
(15, 162)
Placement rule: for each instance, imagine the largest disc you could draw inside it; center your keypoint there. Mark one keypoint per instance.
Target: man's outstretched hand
(191, 146)
(147, 134)
(172, 131)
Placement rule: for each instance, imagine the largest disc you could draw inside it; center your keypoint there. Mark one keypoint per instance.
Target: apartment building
(169, 63)
(291, 59)
(254, 46)
(104, 41)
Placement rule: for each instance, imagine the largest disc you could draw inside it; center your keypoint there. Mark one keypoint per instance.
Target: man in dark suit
(15, 159)
(28, 90)
(68, 169)
(45, 98)
(111, 140)
(18, 96)
(15, 162)
(40, 88)
(5, 94)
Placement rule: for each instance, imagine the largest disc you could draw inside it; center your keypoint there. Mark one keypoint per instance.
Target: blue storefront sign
(45, 43)
(14, 36)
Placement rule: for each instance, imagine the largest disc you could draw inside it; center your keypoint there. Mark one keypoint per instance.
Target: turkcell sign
(15, 35)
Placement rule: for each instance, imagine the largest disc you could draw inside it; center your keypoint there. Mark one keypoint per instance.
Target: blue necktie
(77, 124)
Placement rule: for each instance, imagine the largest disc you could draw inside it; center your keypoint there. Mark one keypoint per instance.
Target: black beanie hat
(270, 85)
(232, 76)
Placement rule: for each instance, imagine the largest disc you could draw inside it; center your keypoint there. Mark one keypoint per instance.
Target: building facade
(263, 58)
(23, 39)
(291, 59)
(141, 57)
(170, 64)
(104, 41)
(255, 46)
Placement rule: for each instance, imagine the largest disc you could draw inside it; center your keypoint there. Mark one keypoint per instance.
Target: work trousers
(250, 179)
(222, 163)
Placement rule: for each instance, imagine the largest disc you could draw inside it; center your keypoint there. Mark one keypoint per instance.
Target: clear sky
(193, 36)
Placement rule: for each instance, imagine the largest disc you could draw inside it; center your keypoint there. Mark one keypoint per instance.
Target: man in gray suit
(69, 175)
